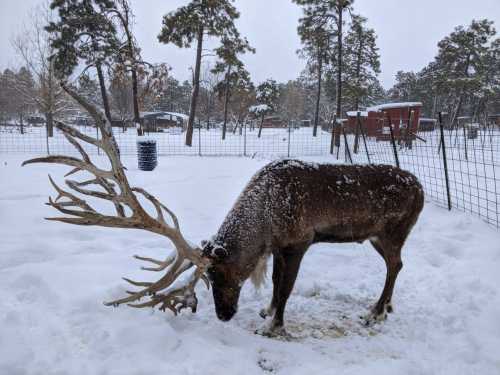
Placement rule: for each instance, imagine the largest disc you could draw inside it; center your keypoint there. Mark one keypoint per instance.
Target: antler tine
(68, 129)
(73, 198)
(78, 146)
(161, 264)
(176, 297)
(98, 194)
(176, 269)
(72, 162)
(159, 207)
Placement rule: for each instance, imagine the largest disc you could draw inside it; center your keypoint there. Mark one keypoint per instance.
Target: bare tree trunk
(358, 71)
(196, 89)
(21, 123)
(209, 109)
(339, 62)
(338, 113)
(135, 99)
(226, 101)
(260, 127)
(131, 51)
(104, 94)
(49, 116)
(49, 123)
(318, 97)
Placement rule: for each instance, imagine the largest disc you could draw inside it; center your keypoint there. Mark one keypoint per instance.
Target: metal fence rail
(459, 168)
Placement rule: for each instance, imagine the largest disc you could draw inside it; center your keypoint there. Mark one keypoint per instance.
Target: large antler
(176, 292)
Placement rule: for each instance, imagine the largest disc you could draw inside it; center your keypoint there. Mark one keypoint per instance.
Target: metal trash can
(147, 154)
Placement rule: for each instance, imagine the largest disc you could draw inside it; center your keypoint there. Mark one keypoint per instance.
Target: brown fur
(289, 205)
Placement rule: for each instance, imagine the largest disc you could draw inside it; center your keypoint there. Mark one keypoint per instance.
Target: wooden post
(395, 150)
(445, 161)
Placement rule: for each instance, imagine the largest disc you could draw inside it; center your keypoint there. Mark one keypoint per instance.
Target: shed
(375, 118)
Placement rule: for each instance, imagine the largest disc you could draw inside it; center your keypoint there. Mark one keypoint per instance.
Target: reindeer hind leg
(390, 250)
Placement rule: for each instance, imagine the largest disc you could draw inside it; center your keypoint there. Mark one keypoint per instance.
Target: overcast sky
(408, 32)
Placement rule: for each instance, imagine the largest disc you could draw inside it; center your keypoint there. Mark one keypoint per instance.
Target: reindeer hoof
(273, 332)
(389, 308)
(373, 318)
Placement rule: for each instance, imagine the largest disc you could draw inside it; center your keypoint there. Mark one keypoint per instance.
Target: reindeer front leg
(289, 260)
(278, 268)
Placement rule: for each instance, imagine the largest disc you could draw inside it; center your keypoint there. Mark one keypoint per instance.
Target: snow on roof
(162, 114)
(382, 107)
(176, 114)
(259, 108)
(355, 113)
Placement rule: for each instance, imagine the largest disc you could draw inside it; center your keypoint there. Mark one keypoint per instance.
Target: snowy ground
(55, 276)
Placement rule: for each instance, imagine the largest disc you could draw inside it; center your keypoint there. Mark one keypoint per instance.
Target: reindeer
(285, 208)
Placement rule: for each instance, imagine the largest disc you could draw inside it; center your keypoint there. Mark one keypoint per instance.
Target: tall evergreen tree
(405, 87)
(362, 62)
(461, 60)
(235, 73)
(192, 22)
(316, 32)
(267, 95)
(328, 15)
(84, 32)
(129, 54)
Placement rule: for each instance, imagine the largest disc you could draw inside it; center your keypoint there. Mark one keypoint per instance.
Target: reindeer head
(226, 279)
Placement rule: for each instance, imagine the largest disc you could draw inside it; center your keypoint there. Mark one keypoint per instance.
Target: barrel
(147, 154)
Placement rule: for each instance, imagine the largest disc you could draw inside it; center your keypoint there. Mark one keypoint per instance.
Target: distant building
(375, 123)
(274, 122)
(159, 120)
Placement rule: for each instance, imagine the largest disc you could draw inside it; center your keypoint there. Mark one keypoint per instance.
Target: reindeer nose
(226, 314)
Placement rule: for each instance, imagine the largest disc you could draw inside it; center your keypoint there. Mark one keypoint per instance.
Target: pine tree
(490, 87)
(84, 33)
(405, 88)
(329, 15)
(316, 35)
(194, 21)
(362, 62)
(128, 56)
(89, 88)
(267, 96)
(235, 73)
(461, 61)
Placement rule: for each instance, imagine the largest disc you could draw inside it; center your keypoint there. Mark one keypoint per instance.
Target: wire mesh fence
(459, 167)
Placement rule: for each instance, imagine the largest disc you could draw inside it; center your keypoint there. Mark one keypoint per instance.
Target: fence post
(47, 141)
(465, 142)
(364, 141)
(199, 138)
(445, 161)
(393, 142)
(356, 136)
(346, 145)
(289, 134)
(332, 141)
(245, 138)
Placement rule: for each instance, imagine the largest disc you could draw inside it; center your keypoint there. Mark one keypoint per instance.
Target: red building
(375, 120)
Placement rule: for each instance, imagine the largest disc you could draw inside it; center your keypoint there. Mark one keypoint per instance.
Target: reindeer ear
(213, 251)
